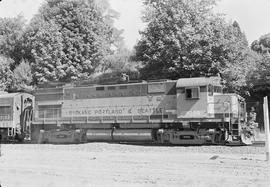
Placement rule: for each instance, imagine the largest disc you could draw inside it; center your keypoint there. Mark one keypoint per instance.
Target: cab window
(210, 90)
(192, 93)
(5, 112)
(217, 89)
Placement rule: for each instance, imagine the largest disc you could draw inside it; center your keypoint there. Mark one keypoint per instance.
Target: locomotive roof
(182, 82)
(8, 95)
(11, 95)
(198, 81)
(70, 85)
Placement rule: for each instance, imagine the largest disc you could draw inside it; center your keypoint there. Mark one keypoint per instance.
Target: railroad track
(258, 143)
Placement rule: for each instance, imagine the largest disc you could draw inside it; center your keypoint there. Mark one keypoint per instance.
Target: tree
(262, 45)
(120, 61)
(6, 75)
(68, 40)
(185, 38)
(11, 30)
(260, 79)
(23, 77)
(237, 76)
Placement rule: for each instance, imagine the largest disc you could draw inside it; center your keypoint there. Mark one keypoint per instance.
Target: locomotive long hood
(198, 81)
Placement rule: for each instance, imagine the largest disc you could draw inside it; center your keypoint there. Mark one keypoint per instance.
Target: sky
(252, 15)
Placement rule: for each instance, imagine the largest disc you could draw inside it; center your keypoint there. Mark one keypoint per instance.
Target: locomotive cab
(195, 97)
(217, 117)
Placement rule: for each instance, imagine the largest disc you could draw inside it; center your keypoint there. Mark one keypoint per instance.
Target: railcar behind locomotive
(16, 114)
(183, 111)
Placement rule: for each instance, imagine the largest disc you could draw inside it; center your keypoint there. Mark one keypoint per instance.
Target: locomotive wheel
(46, 141)
(247, 139)
(19, 138)
(222, 139)
(84, 138)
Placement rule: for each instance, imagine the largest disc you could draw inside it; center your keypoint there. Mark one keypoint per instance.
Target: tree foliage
(11, 30)
(6, 75)
(185, 38)
(23, 77)
(74, 39)
(237, 76)
(68, 40)
(120, 61)
(260, 79)
(262, 45)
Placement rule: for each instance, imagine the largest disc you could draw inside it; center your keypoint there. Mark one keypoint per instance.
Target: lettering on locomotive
(125, 110)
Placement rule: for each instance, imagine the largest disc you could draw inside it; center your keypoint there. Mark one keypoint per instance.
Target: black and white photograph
(119, 93)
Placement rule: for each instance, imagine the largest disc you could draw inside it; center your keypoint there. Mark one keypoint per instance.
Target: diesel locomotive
(184, 111)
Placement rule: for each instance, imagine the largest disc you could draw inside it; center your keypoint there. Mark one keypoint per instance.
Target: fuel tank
(99, 135)
(133, 135)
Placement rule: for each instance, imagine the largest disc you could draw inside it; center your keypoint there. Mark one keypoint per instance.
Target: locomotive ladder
(27, 119)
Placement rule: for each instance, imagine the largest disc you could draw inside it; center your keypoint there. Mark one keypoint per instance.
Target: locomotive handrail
(226, 102)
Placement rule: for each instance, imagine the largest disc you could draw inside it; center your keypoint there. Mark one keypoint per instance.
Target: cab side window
(5, 113)
(210, 90)
(192, 93)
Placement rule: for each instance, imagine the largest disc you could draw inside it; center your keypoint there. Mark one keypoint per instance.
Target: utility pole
(0, 147)
(266, 128)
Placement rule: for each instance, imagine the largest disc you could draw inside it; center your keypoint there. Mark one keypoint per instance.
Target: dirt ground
(104, 164)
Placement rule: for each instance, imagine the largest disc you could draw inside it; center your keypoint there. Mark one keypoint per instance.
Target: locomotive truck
(183, 111)
(62, 135)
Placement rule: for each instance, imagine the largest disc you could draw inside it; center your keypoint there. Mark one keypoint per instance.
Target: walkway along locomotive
(183, 111)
